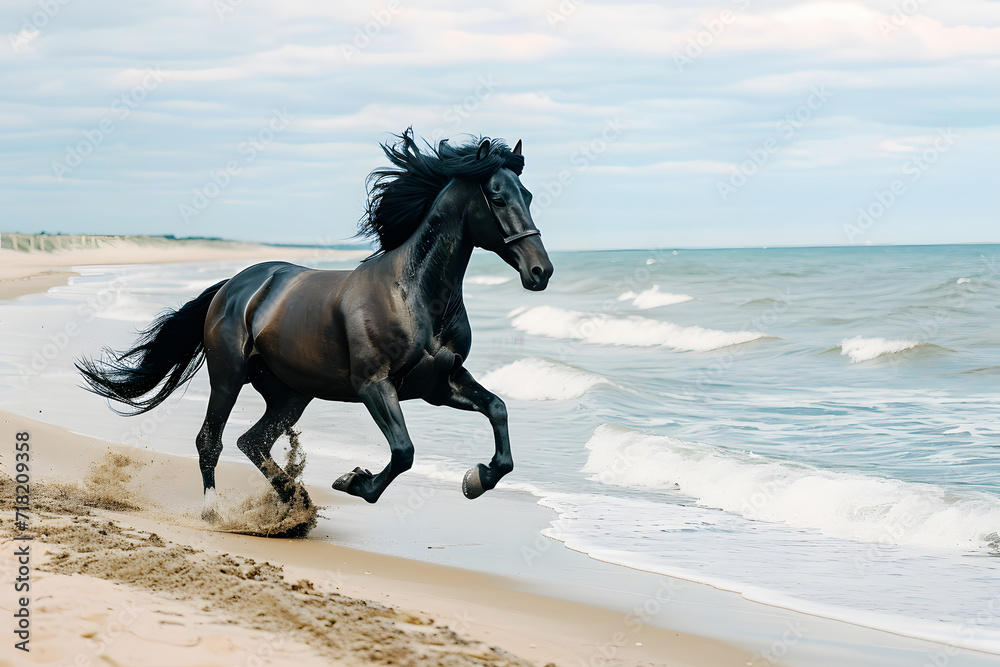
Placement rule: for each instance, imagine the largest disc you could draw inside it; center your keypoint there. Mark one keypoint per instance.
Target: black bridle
(507, 238)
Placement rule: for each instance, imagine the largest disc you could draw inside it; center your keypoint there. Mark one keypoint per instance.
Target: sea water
(815, 428)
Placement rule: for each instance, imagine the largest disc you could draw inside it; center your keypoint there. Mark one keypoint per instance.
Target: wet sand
(120, 549)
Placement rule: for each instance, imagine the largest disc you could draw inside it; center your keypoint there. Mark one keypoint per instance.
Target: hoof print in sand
(265, 514)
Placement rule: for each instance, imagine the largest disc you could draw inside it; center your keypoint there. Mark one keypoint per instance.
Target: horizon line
(361, 244)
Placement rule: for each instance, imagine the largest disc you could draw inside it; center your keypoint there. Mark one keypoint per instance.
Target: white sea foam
(127, 307)
(535, 379)
(865, 349)
(856, 582)
(837, 504)
(488, 280)
(654, 298)
(638, 331)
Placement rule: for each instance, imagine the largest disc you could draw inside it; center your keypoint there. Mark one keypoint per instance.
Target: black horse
(394, 328)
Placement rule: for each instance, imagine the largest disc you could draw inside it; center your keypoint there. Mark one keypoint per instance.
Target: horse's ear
(483, 148)
(517, 148)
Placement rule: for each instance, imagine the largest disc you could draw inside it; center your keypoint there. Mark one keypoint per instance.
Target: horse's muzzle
(536, 278)
(532, 263)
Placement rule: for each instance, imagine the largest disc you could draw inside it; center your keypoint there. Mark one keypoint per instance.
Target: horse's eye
(498, 202)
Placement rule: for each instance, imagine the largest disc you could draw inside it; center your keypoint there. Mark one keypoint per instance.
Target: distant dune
(35, 262)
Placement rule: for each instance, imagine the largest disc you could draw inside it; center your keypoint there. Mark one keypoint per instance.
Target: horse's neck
(437, 255)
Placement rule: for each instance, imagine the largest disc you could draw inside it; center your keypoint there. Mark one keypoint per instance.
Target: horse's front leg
(382, 402)
(463, 392)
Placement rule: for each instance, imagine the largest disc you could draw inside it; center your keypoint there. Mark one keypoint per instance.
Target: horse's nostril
(537, 271)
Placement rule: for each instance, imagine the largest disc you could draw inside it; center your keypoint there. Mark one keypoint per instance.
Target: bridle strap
(522, 235)
(507, 239)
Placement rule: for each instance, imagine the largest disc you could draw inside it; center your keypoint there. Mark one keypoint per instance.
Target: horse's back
(313, 329)
(230, 303)
(293, 321)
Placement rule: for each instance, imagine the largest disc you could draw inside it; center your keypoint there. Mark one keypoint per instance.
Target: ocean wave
(837, 504)
(991, 370)
(488, 280)
(635, 331)
(764, 301)
(856, 585)
(654, 298)
(536, 379)
(865, 349)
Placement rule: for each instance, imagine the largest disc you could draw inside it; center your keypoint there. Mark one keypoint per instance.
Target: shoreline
(484, 539)
(30, 272)
(489, 609)
(566, 608)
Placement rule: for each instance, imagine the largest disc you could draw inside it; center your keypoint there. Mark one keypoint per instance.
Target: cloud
(552, 74)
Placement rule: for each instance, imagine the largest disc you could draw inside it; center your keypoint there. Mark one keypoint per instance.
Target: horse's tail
(170, 351)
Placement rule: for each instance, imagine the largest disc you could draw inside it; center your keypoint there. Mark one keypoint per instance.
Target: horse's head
(501, 222)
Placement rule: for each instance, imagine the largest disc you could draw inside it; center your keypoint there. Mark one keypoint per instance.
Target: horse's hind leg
(225, 391)
(284, 407)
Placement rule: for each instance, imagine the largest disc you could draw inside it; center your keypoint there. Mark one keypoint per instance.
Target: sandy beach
(125, 572)
(581, 334)
(147, 583)
(26, 272)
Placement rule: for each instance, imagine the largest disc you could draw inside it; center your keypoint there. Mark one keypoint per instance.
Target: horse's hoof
(343, 483)
(472, 483)
(208, 512)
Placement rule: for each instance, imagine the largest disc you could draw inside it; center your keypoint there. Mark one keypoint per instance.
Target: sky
(681, 124)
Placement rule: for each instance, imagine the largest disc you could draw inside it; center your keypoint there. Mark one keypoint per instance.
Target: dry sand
(23, 272)
(124, 572)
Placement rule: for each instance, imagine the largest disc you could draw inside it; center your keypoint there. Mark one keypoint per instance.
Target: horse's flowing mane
(399, 198)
